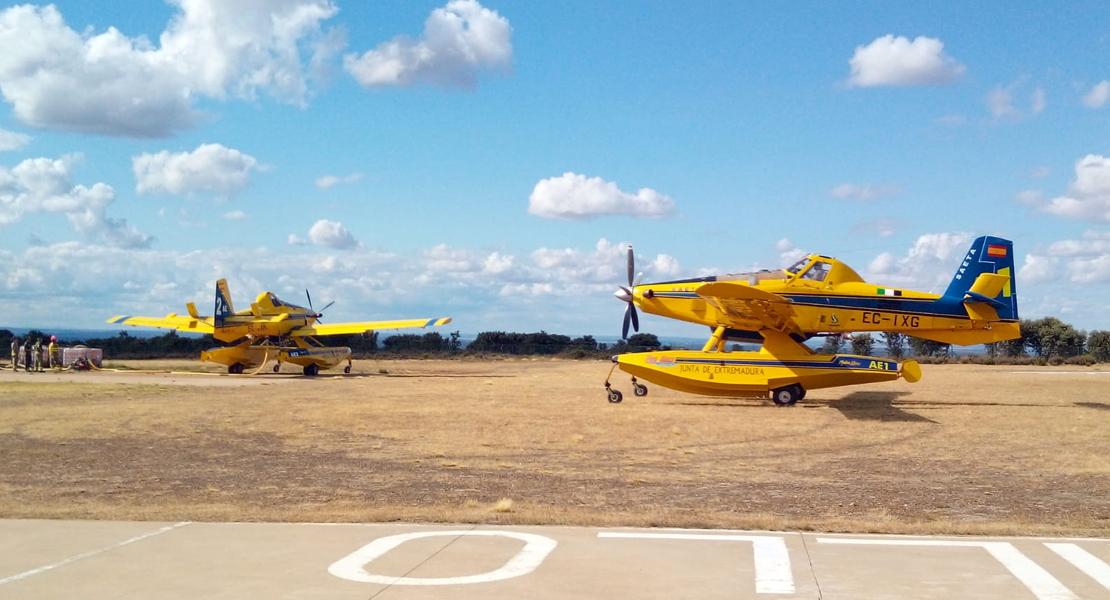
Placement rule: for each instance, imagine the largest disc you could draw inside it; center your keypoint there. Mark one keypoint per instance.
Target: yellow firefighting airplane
(271, 328)
(818, 295)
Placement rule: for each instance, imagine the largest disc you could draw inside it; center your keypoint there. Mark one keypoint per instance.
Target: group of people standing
(32, 354)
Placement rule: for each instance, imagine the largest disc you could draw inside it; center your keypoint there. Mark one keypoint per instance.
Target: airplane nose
(623, 294)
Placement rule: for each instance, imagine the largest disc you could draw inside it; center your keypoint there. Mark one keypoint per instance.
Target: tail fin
(223, 308)
(986, 278)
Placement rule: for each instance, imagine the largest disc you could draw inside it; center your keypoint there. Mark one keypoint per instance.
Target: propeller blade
(635, 319)
(639, 276)
(624, 331)
(309, 296)
(631, 265)
(327, 305)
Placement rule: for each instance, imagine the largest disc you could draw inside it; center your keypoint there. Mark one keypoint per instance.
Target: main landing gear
(311, 370)
(235, 369)
(789, 395)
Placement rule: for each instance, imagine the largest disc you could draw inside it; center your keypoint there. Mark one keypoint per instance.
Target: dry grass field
(969, 449)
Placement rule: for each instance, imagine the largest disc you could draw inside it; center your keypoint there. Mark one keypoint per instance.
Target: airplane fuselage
(852, 306)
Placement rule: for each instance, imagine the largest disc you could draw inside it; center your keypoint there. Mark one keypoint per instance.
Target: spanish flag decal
(995, 250)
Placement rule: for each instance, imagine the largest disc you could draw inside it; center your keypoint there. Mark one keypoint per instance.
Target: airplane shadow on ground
(1098, 405)
(875, 406)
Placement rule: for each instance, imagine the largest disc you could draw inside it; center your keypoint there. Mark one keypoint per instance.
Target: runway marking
(1059, 372)
(84, 555)
(353, 566)
(1039, 581)
(1084, 561)
(773, 574)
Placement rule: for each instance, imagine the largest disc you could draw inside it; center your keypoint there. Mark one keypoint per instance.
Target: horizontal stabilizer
(970, 296)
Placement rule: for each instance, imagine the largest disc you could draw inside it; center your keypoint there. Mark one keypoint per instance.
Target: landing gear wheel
(639, 390)
(277, 367)
(787, 396)
(347, 369)
(615, 396)
(802, 393)
(311, 370)
(235, 369)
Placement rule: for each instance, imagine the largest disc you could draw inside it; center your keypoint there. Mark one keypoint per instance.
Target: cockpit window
(798, 266)
(818, 272)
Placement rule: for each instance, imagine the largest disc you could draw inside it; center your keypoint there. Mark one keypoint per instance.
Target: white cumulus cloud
(44, 185)
(928, 266)
(328, 181)
(210, 168)
(897, 61)
(576, 197)
(1082, 261)
(459, 41)
(863, 192)
(1088, 196)
(1003, 108)
(1098, 95)
(10, 140)
(111, 84)
(332, 234)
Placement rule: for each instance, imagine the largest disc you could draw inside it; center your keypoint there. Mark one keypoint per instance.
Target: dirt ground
(969, 449)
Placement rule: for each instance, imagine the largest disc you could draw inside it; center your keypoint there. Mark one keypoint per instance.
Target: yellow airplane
(271, 328)
(818, 295)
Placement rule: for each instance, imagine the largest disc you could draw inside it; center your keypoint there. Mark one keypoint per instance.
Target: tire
(615, 396)
(277, 367)
(787, 396)
(639, 390)
(311, 370)
(235, 369)
(347, 369)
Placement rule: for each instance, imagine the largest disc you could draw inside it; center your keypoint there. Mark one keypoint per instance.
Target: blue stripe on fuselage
(913, 306)
(840, 362)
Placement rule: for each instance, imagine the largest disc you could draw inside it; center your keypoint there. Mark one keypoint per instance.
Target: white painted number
(353, 566)
(772, 561)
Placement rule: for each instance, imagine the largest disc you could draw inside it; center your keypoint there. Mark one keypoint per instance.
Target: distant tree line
(1044, 341)
(125, 346)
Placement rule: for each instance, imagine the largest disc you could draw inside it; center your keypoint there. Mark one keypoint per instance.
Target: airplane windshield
(798, 266)
(817, 272)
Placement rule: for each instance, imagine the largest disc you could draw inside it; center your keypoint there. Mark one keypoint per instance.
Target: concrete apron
(96, 560)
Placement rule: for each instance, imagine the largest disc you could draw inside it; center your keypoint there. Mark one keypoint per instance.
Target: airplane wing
(170, 321)
(750, 308)
(343, 328)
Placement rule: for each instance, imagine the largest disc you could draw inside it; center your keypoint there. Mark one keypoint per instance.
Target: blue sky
(491, 161)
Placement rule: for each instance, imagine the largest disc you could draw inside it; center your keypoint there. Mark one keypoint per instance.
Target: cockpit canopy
(269, 299)
(821, 268)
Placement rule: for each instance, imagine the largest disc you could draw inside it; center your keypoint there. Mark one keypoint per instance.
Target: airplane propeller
(625, 294)
(316, 315)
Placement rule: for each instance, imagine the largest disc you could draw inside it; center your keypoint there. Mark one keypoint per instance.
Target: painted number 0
(353, 566)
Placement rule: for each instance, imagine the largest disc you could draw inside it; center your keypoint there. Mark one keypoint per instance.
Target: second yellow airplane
(271, 328)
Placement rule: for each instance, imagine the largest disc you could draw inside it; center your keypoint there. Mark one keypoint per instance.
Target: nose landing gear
(615, 396)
